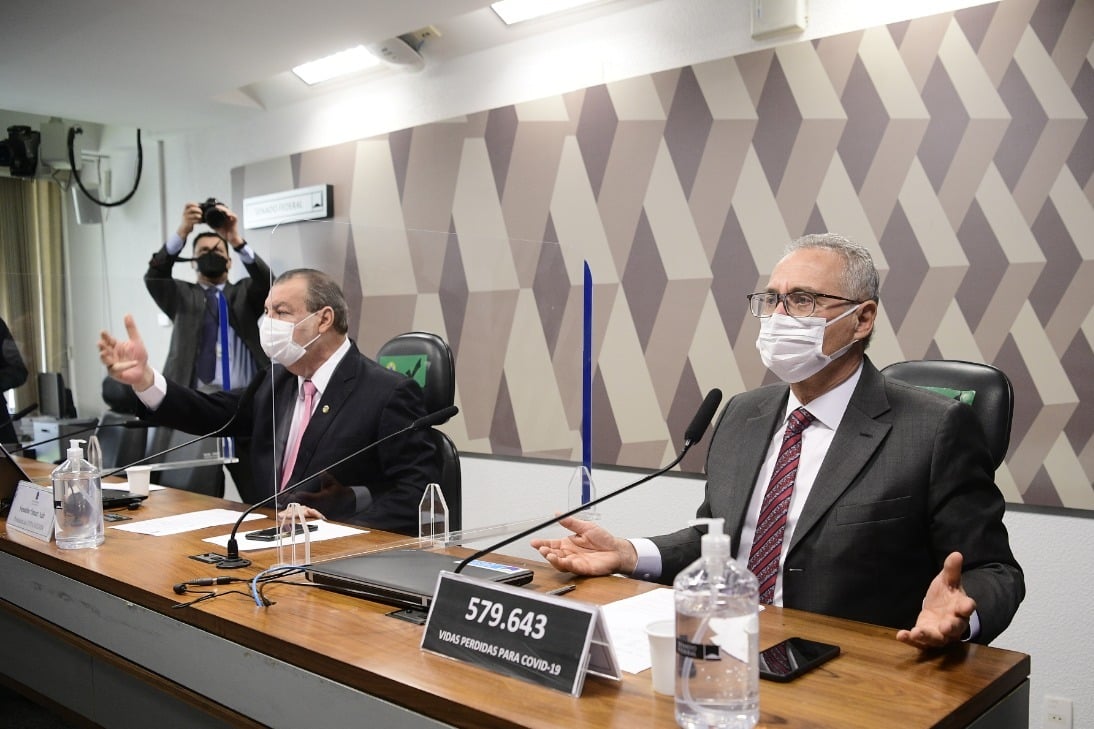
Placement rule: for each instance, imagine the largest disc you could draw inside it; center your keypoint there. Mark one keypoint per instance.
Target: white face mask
(277, 340)
(794, 348)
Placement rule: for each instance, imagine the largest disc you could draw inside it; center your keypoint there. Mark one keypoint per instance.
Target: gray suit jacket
(184, 304)
(907, 480)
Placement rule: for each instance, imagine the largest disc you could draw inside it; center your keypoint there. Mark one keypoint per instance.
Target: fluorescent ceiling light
(516, 11)
(344, 62)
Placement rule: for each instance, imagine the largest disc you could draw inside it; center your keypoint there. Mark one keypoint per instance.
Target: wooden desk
(108, 643)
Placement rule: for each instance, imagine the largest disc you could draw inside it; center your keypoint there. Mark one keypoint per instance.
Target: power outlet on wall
(1057, 713)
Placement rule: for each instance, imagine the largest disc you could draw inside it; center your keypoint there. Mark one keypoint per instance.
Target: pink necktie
(767, 544)
(294, 447)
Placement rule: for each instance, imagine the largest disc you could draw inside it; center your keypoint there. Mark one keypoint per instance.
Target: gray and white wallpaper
(956, 147)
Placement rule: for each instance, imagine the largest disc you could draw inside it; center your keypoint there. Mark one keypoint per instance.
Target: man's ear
(326, 319)
(864, 319)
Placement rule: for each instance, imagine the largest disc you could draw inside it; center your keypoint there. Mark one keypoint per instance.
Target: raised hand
(126, 361)
(191, 216)
(946, 609)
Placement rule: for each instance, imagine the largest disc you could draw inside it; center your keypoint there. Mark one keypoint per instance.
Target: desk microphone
(127, 424)
(234, 561)
(692, 435)
(243, 404)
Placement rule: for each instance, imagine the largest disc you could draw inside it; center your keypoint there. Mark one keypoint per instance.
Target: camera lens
(211, 215)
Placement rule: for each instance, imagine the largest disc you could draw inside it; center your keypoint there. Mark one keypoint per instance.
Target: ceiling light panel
(517, 11)
(338, 64)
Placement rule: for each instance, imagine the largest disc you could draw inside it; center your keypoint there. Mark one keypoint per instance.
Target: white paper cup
(139, 477)
(662, 634)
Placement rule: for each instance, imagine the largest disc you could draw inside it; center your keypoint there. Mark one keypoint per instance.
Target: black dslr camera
(213, 216)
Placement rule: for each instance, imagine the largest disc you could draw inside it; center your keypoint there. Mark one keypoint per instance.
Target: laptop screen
(11, 473)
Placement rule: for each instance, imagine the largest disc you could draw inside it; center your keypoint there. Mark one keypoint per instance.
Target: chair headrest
(427, 359)
(985, 388)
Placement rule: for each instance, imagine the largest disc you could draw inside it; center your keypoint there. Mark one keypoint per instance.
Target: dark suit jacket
(362, 403)
(907, 480)
(184, 304)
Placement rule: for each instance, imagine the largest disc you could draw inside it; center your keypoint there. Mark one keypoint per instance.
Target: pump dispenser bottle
(77, 502)
(717, 638)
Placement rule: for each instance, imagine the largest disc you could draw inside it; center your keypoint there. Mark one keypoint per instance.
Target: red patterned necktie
(294, 447)
(767, 544)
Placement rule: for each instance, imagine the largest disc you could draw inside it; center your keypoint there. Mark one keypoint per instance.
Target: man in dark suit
(892, 515)
(322, 389)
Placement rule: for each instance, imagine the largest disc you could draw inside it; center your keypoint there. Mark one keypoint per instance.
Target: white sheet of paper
(627, 620)
(326, 530)
(185, 522)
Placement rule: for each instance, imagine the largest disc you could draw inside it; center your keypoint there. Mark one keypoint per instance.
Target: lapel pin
(326, 409)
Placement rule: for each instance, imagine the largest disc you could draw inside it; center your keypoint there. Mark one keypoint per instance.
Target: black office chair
(428, 359)
(986, 388)
(120, 446)
(208, 480)
(54, 398)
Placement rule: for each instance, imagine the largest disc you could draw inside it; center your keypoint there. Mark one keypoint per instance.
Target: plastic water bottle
(717, 638)
(77, 502)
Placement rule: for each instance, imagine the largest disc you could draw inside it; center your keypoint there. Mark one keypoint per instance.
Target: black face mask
(211, 265)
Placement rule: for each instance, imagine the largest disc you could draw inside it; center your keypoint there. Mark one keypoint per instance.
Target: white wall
(1052, 623)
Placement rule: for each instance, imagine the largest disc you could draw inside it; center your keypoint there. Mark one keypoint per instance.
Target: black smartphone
(268, 535)
(793, 657)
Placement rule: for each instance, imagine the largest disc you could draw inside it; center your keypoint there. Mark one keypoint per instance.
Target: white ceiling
(166, 66)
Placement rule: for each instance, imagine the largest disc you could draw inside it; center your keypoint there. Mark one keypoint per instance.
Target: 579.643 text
(516, 620)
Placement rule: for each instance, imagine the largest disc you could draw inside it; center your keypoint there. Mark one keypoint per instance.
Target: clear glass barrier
(399, 280)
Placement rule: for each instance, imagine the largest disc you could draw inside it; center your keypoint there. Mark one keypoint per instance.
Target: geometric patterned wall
(956, 147)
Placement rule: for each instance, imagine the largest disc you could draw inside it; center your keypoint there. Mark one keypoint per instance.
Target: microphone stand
(535, 528)
(692, 436)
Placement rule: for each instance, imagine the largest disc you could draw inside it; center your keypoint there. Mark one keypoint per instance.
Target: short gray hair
(322, 291)
(860, 277)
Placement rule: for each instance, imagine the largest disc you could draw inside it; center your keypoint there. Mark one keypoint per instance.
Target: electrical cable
(72, 132)
(261, 579)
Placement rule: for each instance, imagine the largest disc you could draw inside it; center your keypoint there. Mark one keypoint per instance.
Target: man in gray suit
(892, 515)
(204, 354)
(189, 305)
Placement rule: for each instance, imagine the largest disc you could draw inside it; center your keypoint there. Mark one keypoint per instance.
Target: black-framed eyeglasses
(797, 303)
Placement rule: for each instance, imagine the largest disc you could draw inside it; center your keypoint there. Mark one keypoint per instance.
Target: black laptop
(405, 577)
(11, 473)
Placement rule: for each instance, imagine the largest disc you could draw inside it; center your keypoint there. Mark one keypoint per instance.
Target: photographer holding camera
(214, 311)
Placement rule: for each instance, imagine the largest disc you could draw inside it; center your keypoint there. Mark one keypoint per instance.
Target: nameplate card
(32, 510)
(544, 639)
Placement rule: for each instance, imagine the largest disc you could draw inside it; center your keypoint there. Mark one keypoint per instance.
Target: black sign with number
(519, 633)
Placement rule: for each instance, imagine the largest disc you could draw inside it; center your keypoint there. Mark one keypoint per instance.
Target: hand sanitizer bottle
(717, 638)
(77, 502)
